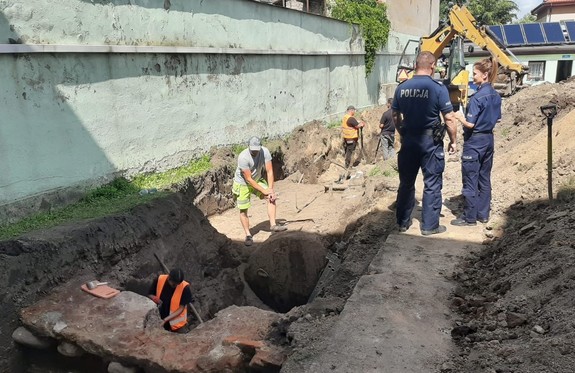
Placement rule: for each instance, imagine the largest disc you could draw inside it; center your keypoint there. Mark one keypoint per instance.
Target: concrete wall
(556, 14)
(218, 72)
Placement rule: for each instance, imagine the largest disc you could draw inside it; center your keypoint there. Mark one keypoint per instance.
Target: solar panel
(533, 33)
(497, 30)
(513, 35)
(553, 32)
(571, 30)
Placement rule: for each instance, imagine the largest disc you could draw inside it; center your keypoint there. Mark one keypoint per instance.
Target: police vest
(348, 131)
(182, 318)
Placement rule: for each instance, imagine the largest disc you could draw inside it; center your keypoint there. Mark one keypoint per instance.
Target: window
(536, 70)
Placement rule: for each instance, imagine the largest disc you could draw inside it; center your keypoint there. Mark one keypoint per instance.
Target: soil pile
(517, 297)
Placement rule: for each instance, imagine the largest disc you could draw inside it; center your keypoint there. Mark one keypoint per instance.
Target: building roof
(551, 4)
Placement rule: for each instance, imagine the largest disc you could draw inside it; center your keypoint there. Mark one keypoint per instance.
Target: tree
(528, 18)
(372, 19)
(486, 12)
(493, 12)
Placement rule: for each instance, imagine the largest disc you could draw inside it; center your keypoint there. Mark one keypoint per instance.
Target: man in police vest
(416, 108)
(350, 130)
(172, 295)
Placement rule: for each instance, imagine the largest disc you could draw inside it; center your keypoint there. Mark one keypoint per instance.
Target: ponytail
(488, 65)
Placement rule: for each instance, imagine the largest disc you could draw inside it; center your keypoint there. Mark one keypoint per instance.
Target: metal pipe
(549, 111)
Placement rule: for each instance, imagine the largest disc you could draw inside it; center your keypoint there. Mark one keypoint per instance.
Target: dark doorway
(564, 69)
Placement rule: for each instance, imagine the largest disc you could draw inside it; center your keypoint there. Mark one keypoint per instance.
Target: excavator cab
(455, 78)
(406, 64)
(451, 34)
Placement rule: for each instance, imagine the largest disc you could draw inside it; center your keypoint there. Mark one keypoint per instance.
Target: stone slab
(127, 329)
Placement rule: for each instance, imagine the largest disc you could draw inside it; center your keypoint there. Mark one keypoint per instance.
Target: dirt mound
(520, 163)
(517, 296)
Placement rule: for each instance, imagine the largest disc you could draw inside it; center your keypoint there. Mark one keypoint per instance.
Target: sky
(526, 6)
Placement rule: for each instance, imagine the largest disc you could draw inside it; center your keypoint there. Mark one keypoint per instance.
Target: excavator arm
(462, 25)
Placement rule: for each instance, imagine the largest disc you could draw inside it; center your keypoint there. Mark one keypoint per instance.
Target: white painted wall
(77, 119)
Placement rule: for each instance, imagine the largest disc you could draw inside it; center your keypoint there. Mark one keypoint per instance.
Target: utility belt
(437, 132)
(417, 133)
(468, 134)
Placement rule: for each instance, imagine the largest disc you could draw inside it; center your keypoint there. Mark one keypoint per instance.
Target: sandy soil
(515, 299)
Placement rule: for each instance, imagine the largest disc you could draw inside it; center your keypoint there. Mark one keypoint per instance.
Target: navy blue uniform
(484, 110)
(420, 100)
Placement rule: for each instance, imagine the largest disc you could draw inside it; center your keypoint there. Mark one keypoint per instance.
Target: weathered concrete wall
(413, 17)
(242, 68)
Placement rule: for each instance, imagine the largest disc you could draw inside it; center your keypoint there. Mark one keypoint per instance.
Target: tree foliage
(372, 19)
(528, 18)
(486, 12)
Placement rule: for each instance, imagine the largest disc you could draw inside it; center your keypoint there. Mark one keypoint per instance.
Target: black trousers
(349, 149)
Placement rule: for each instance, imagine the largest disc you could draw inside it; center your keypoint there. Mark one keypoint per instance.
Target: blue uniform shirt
(420, 100)
(484, 108)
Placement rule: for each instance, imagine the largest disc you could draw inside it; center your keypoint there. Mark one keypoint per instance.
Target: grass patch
(166, 179)
(388, 172)
(238, 148)
(333, 124)
(566, 192)
(118, 196)
(505, 132)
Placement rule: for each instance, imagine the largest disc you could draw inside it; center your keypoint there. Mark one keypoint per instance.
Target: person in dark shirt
(417, 105)
(387, 135)
(483, 112)
(172, 295)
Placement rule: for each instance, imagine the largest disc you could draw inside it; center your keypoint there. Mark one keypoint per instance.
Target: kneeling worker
(172, 295)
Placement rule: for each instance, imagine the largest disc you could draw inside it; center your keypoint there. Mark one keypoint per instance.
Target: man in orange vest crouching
(172, 295)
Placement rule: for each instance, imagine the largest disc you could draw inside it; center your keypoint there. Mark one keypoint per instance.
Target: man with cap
(350, 130)
(172, 295)
(248, 180)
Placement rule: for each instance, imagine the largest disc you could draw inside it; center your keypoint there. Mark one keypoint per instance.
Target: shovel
(94, 284)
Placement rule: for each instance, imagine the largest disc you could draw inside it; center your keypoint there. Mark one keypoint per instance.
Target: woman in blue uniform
(483, 112)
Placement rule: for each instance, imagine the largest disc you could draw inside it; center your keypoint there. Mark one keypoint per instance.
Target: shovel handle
(164, 267)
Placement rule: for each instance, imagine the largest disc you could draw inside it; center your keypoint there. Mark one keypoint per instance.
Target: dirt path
(398, 314)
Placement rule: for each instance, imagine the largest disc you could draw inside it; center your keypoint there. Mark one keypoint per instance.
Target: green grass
(118, 196)
(377, 171)
(505, 132)
(238, 148)
(333, 124)
(177, 175)
(566, 192)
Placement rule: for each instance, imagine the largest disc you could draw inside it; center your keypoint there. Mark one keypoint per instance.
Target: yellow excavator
(460, 27)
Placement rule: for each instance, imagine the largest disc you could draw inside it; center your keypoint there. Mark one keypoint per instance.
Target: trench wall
(93, 89)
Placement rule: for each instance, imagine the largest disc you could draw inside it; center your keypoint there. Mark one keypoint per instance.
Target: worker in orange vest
(172, 295)
(350, 130)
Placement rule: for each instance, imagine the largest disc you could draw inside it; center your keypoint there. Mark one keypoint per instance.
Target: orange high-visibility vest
(182, 318)
(348, 131)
